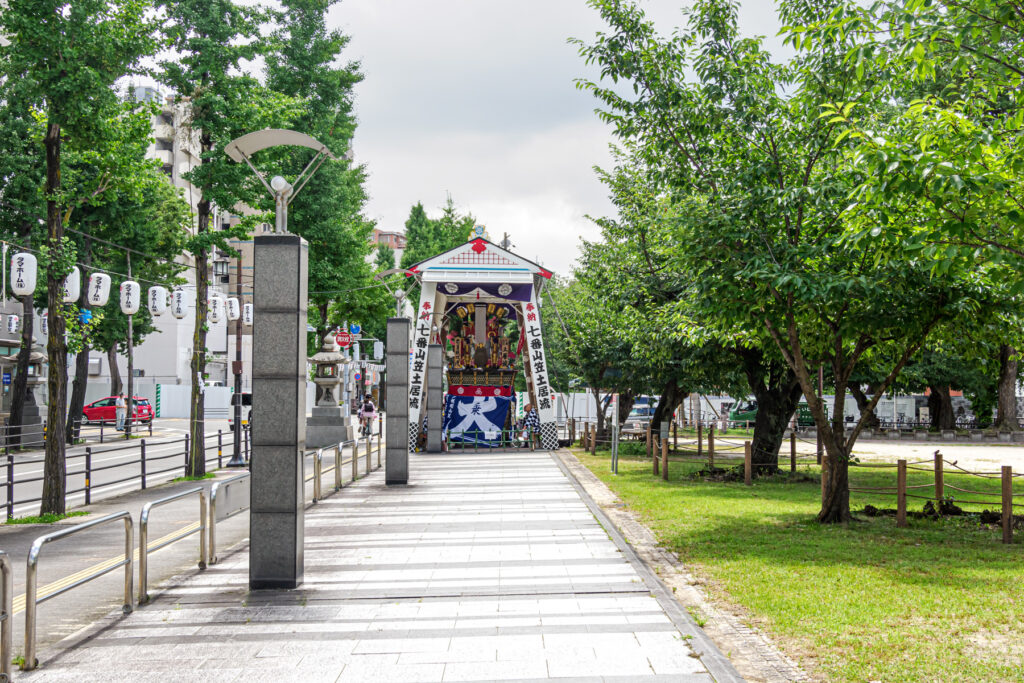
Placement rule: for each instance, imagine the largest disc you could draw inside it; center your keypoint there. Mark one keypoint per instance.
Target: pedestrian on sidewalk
(121, 409)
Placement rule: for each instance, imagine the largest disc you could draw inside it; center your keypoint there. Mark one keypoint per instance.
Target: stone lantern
(327, 374)
(327, 426)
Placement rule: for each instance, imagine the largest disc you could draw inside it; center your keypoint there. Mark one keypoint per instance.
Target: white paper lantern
(12, 323)
(247, 315)
(157, 300)
(23, 273)
(234, 310)
(73, 286)
(215, 308)
(131, 294)
(99, 289)
(179, 303)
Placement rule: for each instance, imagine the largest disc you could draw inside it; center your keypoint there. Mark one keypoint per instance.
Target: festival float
(480, 302)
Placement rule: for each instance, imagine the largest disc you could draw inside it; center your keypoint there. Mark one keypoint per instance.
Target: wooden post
(901, 493)
(654, 461)
(593, 441)
(572, 432)
(664, 459)
(938, 477)
(1007, 504)
(675, 435)
(700, 440)
(747, 464)
(792, 452)
(586, 435)
(711, 446)
(650, 444)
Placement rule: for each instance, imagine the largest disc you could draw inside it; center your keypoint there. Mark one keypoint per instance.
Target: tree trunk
(671, 397)
(19, 391)
(54, 468)
(600, 410)
(1006, 411)
(115, 372)
(835, 499)
(625, 406)
(862, 405)
(777, 391)
(197, 404)
(940, 407)
(78, 386)
(77, 400)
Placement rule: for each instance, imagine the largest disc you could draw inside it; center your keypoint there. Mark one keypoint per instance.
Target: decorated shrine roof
(479, 260)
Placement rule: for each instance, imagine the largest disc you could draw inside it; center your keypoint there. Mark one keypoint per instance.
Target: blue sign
(475, 419)
(354, 328)
(84, 316)
(7, 378)
(358, 377)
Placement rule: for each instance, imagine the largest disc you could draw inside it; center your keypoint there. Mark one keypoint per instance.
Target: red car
(104, 410)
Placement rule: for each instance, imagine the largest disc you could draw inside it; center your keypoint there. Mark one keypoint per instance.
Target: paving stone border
(751, 654)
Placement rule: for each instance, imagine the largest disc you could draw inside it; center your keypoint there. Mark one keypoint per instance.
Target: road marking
(50, 588)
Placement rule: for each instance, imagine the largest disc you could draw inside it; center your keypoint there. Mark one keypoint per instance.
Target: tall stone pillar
(396, 466)
(277, 505)
(435, 398)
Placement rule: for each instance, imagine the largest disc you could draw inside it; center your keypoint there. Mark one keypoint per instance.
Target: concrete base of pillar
(327, 426)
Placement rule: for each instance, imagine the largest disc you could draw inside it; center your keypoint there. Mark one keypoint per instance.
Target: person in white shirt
(122, 411)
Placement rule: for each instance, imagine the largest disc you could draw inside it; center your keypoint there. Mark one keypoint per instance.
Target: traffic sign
(344, 339)
(355, 328)
(358, 376)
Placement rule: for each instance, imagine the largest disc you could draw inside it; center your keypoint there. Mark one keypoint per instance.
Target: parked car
(639, 417)
(104, 410)
(246, 399)
(747, 412)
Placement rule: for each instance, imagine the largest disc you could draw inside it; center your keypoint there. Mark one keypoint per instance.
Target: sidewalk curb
(750, 650)
(720, 667)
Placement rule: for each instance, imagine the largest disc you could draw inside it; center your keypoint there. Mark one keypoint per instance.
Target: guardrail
(6, 617)
(138, 456)
(226, 504)
(340, 461)
(31, 577)
(144, 548)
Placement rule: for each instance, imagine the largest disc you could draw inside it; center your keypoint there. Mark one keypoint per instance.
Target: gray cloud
(476, 98)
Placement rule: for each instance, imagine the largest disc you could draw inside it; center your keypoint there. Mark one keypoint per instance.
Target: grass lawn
(938, 601)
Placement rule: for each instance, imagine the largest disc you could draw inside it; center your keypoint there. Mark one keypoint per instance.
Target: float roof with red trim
(479, 261)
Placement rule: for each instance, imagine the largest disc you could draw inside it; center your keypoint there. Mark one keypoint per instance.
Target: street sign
(7, 378)
(344, 339)
(355, 328)
(358, 376)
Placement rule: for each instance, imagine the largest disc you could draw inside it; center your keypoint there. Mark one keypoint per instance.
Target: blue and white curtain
(475, 419)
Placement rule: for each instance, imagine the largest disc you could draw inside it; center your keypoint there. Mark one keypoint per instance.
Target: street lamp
(283, 192)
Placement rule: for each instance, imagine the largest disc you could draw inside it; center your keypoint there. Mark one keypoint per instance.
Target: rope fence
(657, 449)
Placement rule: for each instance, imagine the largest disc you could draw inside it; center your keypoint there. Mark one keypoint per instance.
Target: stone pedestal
(435, 398)
(328, 426)
(276, 516)
(396, 470)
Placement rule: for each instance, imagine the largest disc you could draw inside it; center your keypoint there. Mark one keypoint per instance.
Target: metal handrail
(144, 548)
(6, 617)
(212, 555)
(318, 465)
(31, 578)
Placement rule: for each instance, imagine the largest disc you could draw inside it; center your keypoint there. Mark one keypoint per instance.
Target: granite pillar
(396, 467)
(435, 398)
(276, 516)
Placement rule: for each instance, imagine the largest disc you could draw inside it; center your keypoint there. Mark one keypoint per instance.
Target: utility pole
(131, 366)
(236, 459)
(506, 242)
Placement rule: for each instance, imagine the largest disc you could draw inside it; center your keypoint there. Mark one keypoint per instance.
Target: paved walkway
(486, 567)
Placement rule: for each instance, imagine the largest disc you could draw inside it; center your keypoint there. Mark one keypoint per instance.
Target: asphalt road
(116, 464)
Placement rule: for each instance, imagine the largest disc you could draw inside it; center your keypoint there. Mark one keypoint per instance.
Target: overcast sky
(476, 98)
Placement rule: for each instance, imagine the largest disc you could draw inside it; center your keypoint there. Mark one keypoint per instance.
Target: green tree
(384, 258)
(71, 54)
(759, 185)
(210, 42)
(304, 64)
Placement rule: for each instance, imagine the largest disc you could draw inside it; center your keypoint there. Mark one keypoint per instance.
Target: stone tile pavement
(486, 567)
